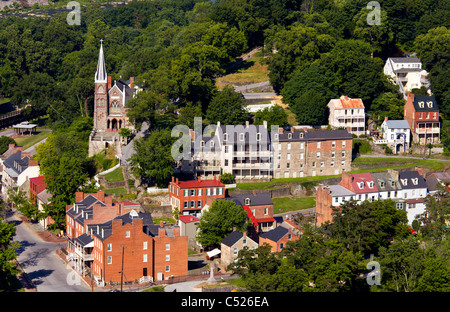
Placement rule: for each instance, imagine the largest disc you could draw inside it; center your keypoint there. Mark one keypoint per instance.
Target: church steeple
(100, 75)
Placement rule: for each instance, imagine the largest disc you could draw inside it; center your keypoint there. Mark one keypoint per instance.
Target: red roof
(38, 180)
(363, 177)
(188, 218)
(250, 215)
(415, 200)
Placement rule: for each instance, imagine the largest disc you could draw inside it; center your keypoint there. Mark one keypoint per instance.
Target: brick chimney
(347, 180)
(101, 195)
(386, 118)
(79, 196)
(109, 82)
(161, 229)
(108, 201)
(176, 231)
(131, 82)
(419, 170)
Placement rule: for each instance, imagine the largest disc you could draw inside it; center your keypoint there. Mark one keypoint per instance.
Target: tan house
(231, 245)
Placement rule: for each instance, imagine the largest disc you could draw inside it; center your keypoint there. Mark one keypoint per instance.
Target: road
(39, 260)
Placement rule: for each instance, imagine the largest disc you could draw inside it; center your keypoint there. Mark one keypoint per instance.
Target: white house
(414, 191)
(17, 169)
(397, 134)
(347, 113)
(407, 73)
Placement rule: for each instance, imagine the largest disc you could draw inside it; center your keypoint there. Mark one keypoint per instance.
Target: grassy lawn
(120, 191)
(28, 141)
(114, 176)
(249, 71)
(167, 220)
(3, 101)
(285, 204)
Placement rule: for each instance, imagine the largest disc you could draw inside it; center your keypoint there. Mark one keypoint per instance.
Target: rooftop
(276, 234)
(346, 102)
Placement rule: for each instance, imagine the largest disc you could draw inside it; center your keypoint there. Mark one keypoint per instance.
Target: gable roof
(232, 238)
(339, 190)
(405, 59)
(365, 178)
(276, 234)
(387, 178)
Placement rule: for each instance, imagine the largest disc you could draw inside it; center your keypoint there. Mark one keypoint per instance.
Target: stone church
(110, 110)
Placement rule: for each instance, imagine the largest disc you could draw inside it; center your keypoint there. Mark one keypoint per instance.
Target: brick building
(101, 233)
(110, 109)
(189, 197)
(278, 238)
(422, 114)
(311, 153)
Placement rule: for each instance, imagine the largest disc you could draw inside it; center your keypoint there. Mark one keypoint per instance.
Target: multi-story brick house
(105, 236)
(259, 208)
(422, 114)
(311, 153)
(189, 197)
(37, 185)
(347, 113)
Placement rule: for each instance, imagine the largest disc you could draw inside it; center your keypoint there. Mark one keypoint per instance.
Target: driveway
(39, 261)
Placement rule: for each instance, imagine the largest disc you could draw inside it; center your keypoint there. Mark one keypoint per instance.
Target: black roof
(255, 199)
(16, 157)
(276, 234)
(425, 100)
(409, 177)
(328, 135)
(84, 239)
(232, 238)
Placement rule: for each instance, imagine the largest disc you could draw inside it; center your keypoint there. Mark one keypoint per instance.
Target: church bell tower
(101, 93)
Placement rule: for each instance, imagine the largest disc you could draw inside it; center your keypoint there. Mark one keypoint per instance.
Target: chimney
(234, 228)
(247, 124)
(10, 146)
(109, 82)
(25, 154)
(199, 179)
(386, 118)
(161, 230)
(176, 231)
(108, 201)
(176, 181)
(79, 196)
(280, 130)
(254, 192)
(346, 180)
(101, 195)
(173, 179)
(245, 233)
(131, 82)
(419, 170)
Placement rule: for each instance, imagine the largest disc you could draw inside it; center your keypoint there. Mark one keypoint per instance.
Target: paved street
(47, 271)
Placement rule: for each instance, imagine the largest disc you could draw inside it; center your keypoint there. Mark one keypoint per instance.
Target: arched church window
(115, 108)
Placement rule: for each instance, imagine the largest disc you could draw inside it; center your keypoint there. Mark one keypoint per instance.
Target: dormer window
(429, 104)
(202, 143)
(247, 201)
(361, 185)
(421, 104)
(392, 183)
(370, 184)
(301, 135)
(289, 135)
(276, 136)
(225, 136)
(415, 181)
(241, 136)
(382, 184)
(258, 137)
(211, 144)
(404, 181)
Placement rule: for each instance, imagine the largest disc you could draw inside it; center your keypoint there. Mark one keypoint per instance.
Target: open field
(28, 141)
(285, 204)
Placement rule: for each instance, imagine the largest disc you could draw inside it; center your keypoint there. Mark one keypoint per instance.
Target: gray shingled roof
(255, 199)
(276, 234)
(409, 176)
(425, 99)
(387, 178)
(232, 238)
(397, 124)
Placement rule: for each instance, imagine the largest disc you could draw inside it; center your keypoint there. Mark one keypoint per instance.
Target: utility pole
(121, 275)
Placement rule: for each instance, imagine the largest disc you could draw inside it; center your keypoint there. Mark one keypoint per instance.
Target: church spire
(100, 74)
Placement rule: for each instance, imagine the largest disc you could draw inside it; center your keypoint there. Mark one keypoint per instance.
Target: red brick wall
(178, 256)
(323, 205)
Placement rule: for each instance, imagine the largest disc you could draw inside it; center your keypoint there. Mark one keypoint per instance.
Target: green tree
(227, 106)
(274, 115)
(153, 161)
(4, 143)
(387, 104)
(146, 107)
(8, 254)
(218, 221)
(227, 178)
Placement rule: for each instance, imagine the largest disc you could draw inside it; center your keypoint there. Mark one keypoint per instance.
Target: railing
(427, 130)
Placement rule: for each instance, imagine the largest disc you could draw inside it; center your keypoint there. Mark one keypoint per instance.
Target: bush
(227, 178)
(360, 146)
(388, 150)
